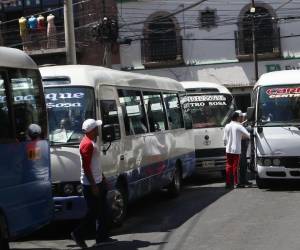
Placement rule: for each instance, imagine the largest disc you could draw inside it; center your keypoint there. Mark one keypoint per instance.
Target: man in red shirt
(94, 186)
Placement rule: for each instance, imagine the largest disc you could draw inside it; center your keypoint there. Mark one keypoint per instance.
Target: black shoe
(240, 186)
(107, 241)
(79, 241)
(248, 183)
(229, 186)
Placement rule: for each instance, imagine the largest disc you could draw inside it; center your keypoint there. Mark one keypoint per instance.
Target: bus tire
(4, 244)
(261, 183)
(175, 186)
(119, 206)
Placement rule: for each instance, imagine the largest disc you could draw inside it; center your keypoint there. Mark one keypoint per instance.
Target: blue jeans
(97, 212)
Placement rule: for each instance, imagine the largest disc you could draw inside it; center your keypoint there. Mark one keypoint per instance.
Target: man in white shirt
(233, 134)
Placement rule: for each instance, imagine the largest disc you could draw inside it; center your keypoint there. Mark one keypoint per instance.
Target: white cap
(34, 129)
(239, 112)
(89, 124)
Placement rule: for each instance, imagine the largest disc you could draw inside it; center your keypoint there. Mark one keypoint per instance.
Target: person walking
(94, 187)
(233, 134)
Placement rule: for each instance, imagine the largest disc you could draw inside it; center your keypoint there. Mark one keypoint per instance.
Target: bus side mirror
(110, 132)
(250, 114)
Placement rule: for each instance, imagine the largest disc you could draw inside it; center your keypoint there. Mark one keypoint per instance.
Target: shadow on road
(156, 213)
(153, 213)
(283, 186)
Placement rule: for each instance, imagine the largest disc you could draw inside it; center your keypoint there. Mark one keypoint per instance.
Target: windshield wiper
(65, 144)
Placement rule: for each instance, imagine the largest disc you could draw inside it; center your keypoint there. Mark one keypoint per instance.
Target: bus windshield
(279, 105)
(210, 110)
(67, 108)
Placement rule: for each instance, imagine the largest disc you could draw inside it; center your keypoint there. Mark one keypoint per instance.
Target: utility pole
(69, 32)
(254, 53)
(106, 43)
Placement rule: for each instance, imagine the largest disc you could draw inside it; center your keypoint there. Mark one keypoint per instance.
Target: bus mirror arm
(106, 149)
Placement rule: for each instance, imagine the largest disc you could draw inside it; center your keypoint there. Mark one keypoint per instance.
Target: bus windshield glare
(279, 104)
(210, 110)
(67, 108)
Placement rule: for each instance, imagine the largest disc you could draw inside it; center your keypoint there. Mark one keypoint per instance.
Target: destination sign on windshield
(207, 100)
(283, 92)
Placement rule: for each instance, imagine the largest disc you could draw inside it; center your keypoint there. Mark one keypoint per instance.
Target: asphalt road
(205, 216)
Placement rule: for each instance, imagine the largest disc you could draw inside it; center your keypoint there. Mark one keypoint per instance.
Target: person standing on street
(233, 134)
(243, 180)
(94, 187)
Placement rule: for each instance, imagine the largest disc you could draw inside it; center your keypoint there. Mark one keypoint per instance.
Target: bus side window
(27, 102)
(155, 111)
(174, 111)
(5, 124)
(133, 112)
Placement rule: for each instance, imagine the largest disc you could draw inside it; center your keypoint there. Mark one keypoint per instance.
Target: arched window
(162, 41)
(267, 38)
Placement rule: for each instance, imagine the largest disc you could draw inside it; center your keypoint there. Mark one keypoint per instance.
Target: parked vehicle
(211, 105)
(25, 187)
(146, 144)
(275, 114)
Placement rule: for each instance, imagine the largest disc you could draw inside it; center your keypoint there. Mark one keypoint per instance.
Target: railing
(156, 52)
(266, 46)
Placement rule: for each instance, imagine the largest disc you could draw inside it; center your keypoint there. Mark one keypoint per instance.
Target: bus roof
(15, 58)
(279, 78)
(91, 75)
(204, 85)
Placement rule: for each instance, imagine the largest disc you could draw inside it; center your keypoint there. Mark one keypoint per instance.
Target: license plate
(208, 164)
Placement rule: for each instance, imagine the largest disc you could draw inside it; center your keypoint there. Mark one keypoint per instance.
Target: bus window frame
(142, 106)
(7, 86)
(164, 110)
(41, 99)
(182, 126)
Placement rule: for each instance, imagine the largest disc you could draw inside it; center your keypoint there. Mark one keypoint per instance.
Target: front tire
(261, 183)
(4, 245)
(175, 186)
(119, 206)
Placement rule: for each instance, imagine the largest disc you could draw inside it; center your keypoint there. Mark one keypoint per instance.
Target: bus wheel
(119, 206)
(261, 183)
(175, 186)
(4, 245)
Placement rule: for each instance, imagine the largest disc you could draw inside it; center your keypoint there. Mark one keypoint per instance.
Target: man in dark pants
(243, 180)
(94, 187)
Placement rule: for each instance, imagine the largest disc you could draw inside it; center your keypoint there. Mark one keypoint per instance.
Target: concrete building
(211, 41)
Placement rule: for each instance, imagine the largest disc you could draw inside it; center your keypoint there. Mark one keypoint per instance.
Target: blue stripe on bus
(140, 181)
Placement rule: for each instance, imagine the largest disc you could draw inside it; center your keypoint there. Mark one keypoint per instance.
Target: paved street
(205, 216)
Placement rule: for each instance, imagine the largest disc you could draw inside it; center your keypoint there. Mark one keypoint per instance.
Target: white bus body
(151, 146)
(276, 119)
(211, 105)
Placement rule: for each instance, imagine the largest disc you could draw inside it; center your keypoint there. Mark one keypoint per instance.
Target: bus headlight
(79, 189)
(68, 189)
(276, 162)
(267, 162)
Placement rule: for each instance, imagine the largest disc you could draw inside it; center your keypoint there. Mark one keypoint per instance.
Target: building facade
(46, 45)
(211, 41)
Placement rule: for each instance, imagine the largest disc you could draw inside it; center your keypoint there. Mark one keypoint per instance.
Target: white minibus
(145, 141)
(275, 114)
(211, 105)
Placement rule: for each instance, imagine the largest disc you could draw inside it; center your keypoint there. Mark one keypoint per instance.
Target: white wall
(201, 52)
